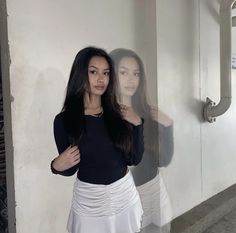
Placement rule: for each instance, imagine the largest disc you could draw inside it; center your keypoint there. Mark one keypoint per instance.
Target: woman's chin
(98, 92)
(127, 93)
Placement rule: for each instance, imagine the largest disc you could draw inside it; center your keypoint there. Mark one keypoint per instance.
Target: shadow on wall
(35, 97)
(36, 100)
(46, 102)
(213, 10)
(3, 188)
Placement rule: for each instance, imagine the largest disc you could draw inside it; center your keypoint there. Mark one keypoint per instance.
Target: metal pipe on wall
(234, 18)
(210, 110)
(234, 21)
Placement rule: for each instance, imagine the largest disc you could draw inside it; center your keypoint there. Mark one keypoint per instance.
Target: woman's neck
(92, 102)
(126, 100)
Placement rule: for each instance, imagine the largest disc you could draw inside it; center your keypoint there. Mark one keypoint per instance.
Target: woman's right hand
(67, 159)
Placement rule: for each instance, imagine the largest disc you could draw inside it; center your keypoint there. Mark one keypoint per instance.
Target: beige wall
(44, 37)
(188, 72)
(179, 96)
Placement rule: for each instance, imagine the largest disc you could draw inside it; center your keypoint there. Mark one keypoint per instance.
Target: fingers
(153, 107)
(125, 109)
(71, 149)
(75, 157)
(73, 152)
(77, 160)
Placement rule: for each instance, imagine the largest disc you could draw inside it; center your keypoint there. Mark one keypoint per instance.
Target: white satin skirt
(155, 202)
(113, 208)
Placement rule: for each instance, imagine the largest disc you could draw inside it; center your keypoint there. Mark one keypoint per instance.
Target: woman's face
(128, 75)
(98, 75)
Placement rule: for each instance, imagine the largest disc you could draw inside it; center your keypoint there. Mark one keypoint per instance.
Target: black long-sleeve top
(100, 162)
(161, 156)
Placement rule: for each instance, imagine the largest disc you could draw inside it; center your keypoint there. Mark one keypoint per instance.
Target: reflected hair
(73, 107)
(139, 99)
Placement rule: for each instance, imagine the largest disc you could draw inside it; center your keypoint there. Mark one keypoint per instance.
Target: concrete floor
(227, 224)
(215, 215)
(154, 229)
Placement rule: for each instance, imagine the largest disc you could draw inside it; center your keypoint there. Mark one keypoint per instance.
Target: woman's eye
(137, 74)
(107, 73)
(93, 72)
(123, 72)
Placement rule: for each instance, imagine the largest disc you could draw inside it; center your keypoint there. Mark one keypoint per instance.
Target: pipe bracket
(207, 110)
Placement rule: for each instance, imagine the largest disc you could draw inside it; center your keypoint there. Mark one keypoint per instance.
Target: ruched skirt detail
(155, 202)
(113, 208)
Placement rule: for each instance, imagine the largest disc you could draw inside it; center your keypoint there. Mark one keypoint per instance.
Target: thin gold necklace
(93, 108)
(98, 114)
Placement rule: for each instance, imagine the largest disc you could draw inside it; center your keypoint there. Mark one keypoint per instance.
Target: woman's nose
(131, 78)
(101, 77)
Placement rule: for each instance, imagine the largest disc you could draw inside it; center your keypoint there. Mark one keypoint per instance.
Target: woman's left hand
(129, 115)
(160, 116)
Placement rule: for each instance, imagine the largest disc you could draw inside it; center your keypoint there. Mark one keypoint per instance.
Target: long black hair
(73, 108)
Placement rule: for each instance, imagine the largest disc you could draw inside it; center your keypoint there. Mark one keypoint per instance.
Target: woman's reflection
(158, 136)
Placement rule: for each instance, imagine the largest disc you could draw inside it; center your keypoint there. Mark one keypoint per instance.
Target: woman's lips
(99, 87)
(130, 88)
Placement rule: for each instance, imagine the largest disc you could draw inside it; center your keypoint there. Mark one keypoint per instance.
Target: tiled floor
(226, 225)
(150, 229)
(3, 208)
(154, 229)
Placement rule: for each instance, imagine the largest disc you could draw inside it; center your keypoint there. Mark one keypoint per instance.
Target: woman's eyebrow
(93, 67)
(123, 67)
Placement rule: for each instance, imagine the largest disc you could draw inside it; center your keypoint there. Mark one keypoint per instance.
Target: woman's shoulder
(60, 115)
(59, 118)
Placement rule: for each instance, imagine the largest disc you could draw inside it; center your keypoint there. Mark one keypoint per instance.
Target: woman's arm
(68, 156)
(160, 117)
(137, 149)
(164, 125)
(166, 145)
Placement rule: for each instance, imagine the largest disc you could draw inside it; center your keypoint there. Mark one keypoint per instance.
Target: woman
(98, 139)
(158, 137)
